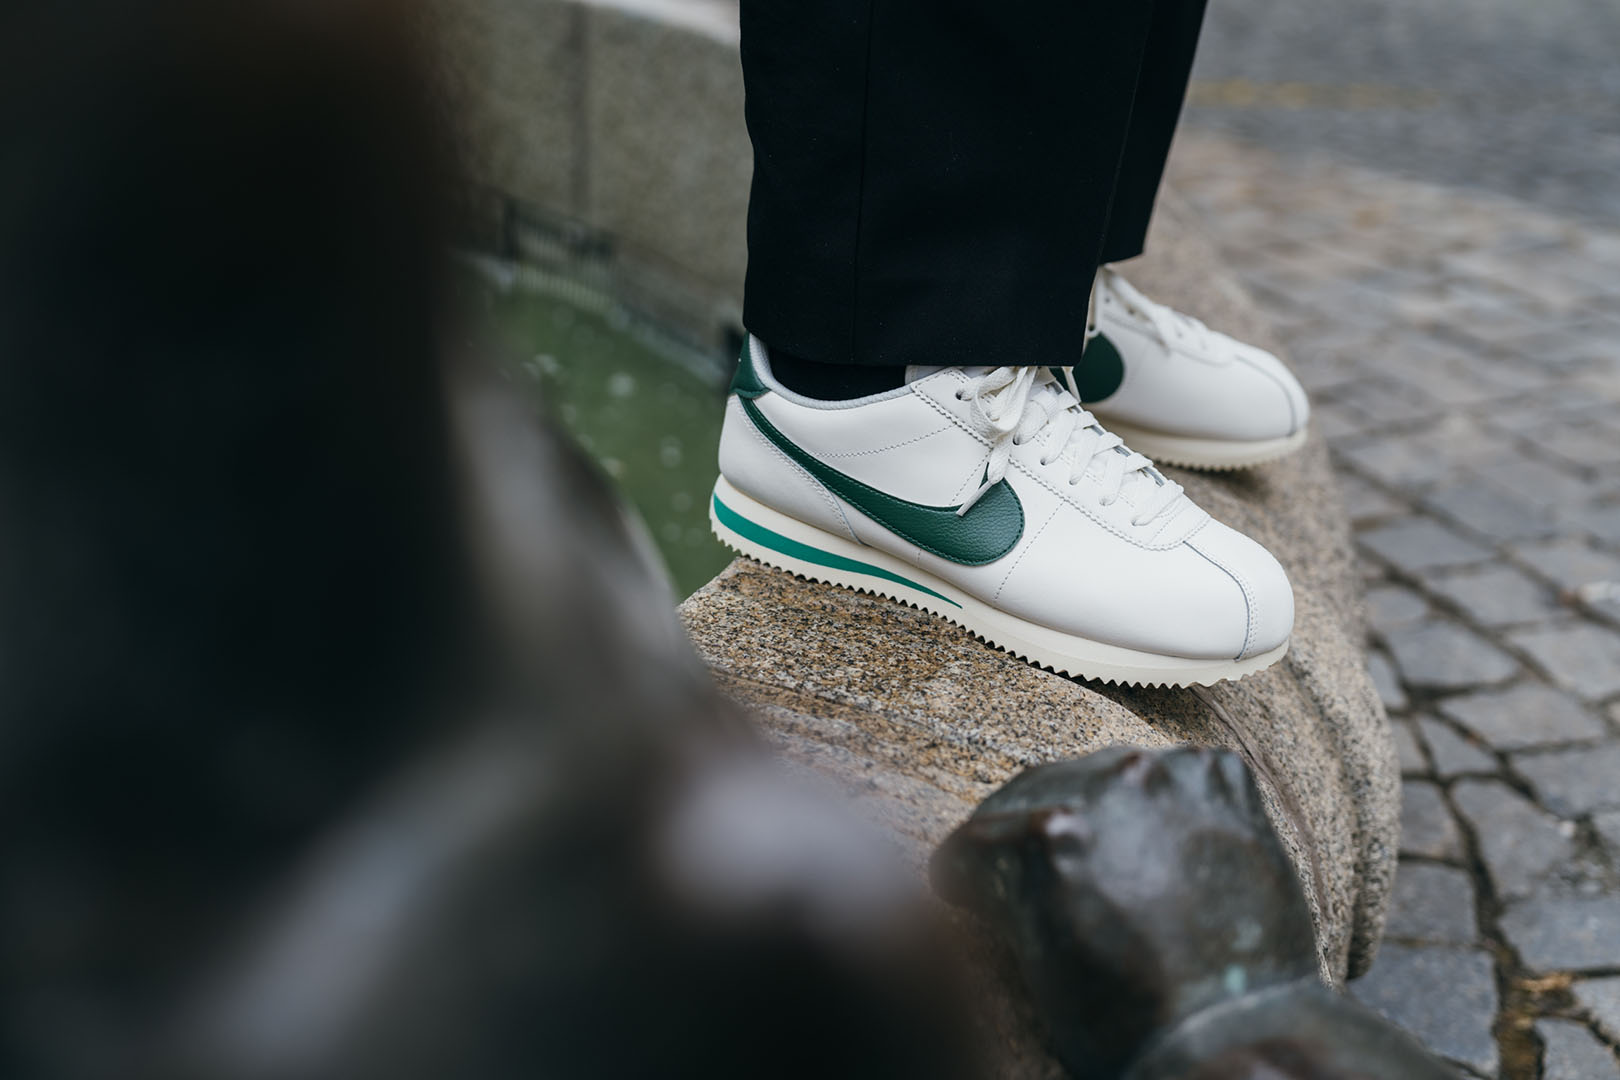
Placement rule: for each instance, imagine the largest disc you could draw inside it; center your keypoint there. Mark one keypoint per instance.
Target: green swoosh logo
(1101, 370)
(1099, 373)
(982, 535)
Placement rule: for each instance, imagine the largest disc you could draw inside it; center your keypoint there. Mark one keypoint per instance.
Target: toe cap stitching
(1294, 421)
(1250, 602)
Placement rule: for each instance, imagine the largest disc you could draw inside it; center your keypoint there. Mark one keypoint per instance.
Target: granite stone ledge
(929, 719)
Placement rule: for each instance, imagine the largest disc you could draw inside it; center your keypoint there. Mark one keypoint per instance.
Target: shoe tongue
(922, 371)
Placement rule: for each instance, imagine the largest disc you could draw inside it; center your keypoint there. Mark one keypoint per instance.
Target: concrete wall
(610, 132)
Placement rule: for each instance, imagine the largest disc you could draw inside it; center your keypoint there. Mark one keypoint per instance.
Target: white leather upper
(1207, 386)
(1181, 584)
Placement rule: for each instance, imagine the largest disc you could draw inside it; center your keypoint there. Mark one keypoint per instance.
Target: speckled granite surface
(920, 720)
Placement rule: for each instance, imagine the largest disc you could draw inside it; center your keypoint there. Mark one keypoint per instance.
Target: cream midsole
(749, 526)
(1205, 453)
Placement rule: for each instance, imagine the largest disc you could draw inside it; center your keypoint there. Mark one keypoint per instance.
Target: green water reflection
(647, 407)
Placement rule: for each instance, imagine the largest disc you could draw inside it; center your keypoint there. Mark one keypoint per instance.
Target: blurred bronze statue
(348, 730)
(1158, 923)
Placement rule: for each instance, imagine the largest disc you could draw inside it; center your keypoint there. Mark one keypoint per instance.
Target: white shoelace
(1170, 325)
(1021, 404)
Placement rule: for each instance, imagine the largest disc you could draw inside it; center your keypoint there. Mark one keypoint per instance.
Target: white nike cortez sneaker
(1180, 392)
(988, 496)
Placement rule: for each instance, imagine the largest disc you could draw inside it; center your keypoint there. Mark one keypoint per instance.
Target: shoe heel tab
(746, 383)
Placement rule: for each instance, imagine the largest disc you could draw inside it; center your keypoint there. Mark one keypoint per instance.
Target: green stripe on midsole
(759, 534)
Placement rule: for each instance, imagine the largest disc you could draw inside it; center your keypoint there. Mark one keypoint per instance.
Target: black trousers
(936, 181)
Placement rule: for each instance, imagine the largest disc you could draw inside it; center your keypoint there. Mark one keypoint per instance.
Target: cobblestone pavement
(1517, 98)
(1463, 354)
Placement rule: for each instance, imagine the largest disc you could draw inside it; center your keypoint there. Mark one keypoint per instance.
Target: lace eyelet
(960, 396)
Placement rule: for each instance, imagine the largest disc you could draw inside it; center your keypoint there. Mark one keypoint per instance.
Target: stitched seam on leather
(1200, 527)
(1088, 514)
(882, 449)
(943, 555)
(1022, 520)
(1155, 545)
(1027, 548)
(1127, 324)
(1054, 491)
(969, 484)
(1018, 504)
(1248, 599)
(1293, 415)
(954, 420)
(816, 485)
(1190, 508)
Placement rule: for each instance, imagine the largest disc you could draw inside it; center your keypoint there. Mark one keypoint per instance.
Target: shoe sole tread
(770, 537)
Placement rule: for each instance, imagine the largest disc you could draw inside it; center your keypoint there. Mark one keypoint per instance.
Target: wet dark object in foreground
(347, 730)
(1158, 924)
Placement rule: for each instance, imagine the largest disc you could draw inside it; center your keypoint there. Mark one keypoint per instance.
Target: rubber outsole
(1210, 455)
(771, 537)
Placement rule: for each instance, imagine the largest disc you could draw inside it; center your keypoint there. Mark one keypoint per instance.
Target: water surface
(646, 406)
